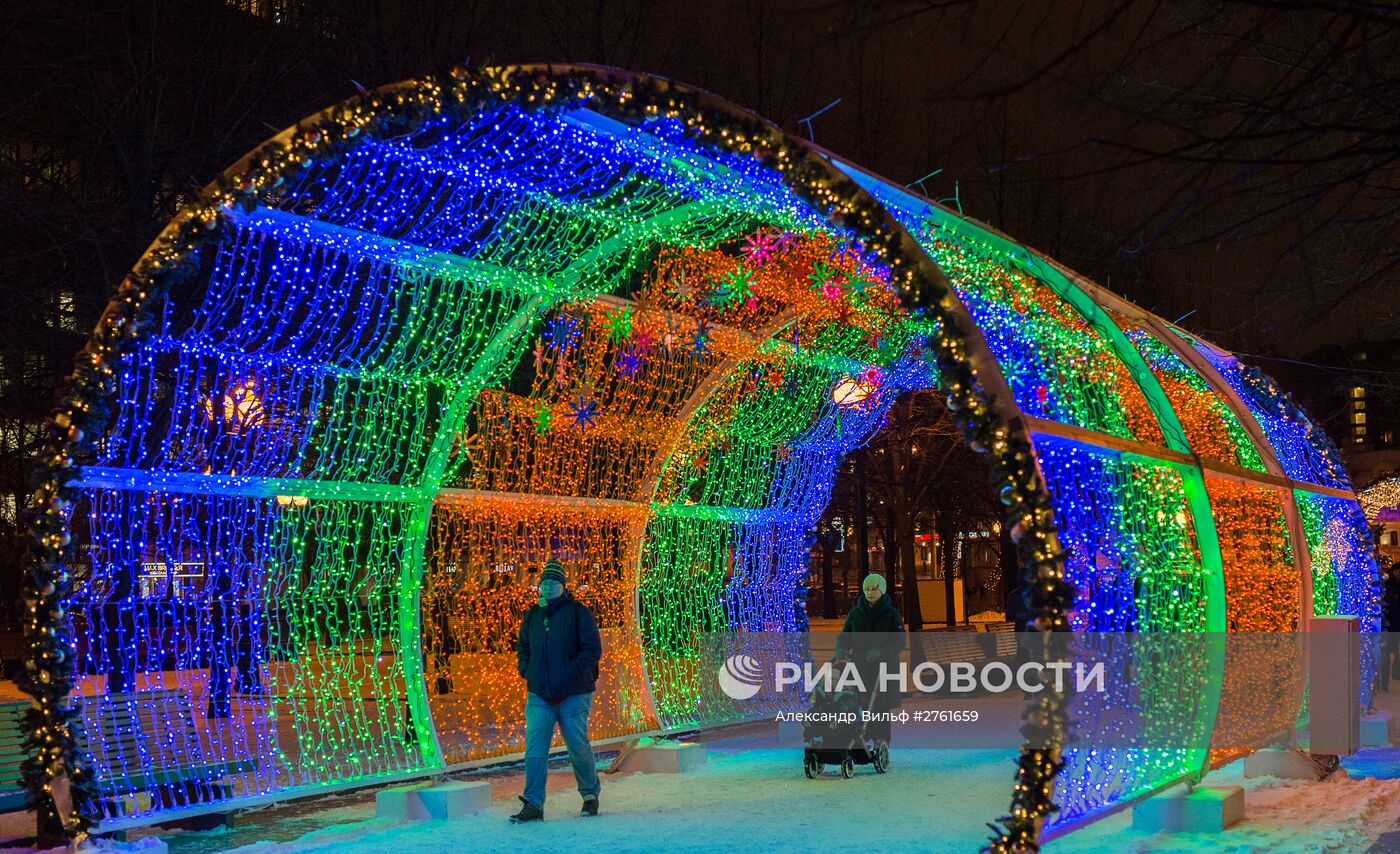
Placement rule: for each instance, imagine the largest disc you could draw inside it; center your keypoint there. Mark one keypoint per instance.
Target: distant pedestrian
(1390, 610)
(558, 658)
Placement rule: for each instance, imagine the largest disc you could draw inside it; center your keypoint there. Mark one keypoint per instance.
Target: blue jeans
(571, 715)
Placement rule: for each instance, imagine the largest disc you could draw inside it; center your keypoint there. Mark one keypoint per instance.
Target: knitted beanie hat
(553, 571)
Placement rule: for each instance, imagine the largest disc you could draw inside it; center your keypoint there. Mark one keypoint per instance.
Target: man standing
(558, 659)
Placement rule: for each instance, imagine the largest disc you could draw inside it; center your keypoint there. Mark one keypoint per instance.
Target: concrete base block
(1284, 764)
(666, 757)
(790, 733)
(456, 799)
(400, 803)
(1375, 730)
(1208, 809)
(426, 802)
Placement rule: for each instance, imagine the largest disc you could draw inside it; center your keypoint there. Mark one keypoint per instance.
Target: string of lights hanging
(337, 417)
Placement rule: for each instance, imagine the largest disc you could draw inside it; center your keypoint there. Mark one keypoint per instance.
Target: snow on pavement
(757, 800)
(933, 801)
(752, 801)
(1341, 813)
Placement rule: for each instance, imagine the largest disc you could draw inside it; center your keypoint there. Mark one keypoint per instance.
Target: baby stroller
(847, 744)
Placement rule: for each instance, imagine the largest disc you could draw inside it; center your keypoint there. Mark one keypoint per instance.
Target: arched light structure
(406, 351)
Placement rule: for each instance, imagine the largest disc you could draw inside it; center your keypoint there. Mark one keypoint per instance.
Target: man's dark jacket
(559, 649)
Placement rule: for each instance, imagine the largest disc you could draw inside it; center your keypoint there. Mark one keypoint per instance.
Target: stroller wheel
(811, 767)
(848, 768)
(881, 757)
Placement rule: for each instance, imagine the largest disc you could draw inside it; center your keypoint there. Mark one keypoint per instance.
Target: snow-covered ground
(750, 801)
(756, 799)
(1342, 813)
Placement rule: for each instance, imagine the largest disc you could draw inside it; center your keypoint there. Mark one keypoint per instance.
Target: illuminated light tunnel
(406, 351)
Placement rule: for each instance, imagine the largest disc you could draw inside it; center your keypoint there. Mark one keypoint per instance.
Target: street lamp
(850, 392)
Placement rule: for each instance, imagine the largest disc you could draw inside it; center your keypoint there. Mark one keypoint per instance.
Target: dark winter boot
(528, 812)
(590, 807)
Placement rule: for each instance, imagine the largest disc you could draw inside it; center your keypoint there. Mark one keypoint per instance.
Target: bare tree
(919, 465)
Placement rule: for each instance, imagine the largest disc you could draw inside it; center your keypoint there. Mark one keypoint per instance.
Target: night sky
(1229, 163)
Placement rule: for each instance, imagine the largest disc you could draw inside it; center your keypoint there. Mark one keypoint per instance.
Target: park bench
(12, 795)
(988, 641)
(1005, 637)
(146, 745)
(953, 646)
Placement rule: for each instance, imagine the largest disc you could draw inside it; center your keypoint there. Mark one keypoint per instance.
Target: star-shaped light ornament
(563, 332)
(700, 341)
(738, 285)
(682, 289)
(584, 414)
(871, 381)
(822, 275)
(619, 325)
(785, 242)
(759, 248)
(544, 419)
(463, 443)
(629, 363)
(859, 281)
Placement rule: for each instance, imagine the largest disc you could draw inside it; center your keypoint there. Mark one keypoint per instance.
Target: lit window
(68, 311)
(1358, 418)
(10, 436)
(1358, 391)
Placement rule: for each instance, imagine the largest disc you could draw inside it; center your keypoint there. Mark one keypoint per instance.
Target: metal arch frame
(1277, 478)
(467, 392)
(1190, 471)
(546, 292)
(989, 374)
(421, 497)
(1302, 555)
(983, 362)
(1172, 431)
(1090, 300)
